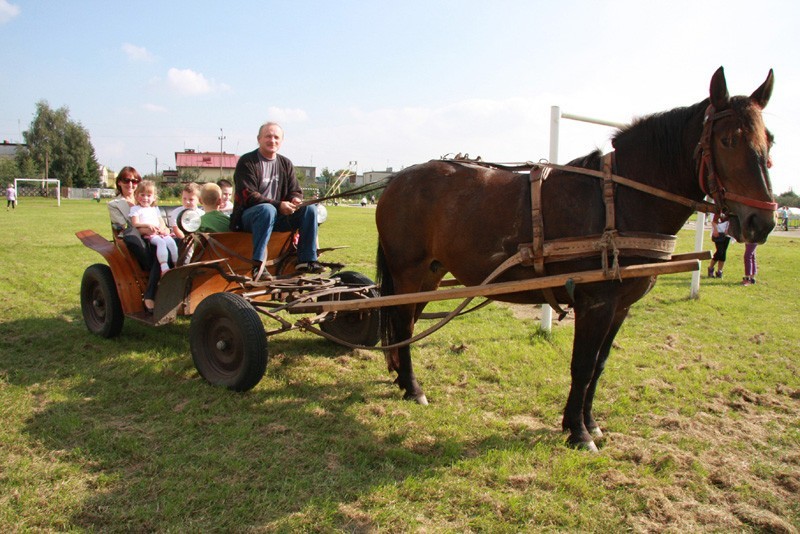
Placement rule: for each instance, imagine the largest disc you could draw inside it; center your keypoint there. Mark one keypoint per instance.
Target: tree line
(55, 147)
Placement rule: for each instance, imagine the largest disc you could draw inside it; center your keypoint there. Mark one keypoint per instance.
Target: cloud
(286, 114)
(135, 53)
(189, 82)
(154, 108)
(8, 11)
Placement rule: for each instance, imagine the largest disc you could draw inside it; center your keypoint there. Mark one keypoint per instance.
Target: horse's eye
(728, 142)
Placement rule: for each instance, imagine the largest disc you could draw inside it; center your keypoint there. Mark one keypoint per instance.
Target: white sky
(386, 83)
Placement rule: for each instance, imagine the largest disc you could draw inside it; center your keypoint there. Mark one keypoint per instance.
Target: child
(719, 235)
(227, 192)
(213, 220)
(190, 197)
(145, 215)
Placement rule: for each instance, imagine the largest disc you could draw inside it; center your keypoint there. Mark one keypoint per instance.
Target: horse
(449, 216)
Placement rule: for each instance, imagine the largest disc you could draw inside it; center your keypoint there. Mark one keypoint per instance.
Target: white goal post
(42, 182)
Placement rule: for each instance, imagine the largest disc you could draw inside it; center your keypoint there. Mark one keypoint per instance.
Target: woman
(119, 211)
(119, 208)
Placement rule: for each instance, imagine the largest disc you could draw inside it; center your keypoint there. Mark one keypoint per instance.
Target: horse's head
(734, 162)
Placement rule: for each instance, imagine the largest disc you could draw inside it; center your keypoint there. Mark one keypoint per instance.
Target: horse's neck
(672, 172)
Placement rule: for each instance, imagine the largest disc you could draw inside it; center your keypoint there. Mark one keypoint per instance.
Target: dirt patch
(533, 312)
(746, 488)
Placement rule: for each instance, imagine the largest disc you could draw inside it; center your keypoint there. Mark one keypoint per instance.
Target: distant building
(310, 172)
(104, 176)
(204, 166)
(9, 150)
(371, 177)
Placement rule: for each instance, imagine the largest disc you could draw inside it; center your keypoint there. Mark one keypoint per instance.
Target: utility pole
(221, 138)
(156, 158)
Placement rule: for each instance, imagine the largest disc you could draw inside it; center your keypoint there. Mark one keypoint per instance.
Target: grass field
(700, 403)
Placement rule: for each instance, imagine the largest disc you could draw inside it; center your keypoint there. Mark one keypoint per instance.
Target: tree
(789, 198)
(60, 147)
(8, 170)
(188, 175)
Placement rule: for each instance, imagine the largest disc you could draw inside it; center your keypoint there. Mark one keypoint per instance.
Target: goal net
(38, 187)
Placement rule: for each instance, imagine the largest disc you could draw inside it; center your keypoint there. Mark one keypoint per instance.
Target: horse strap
(538, 176)
(608, 191)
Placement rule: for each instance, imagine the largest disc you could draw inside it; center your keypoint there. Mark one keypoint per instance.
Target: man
(268, 196)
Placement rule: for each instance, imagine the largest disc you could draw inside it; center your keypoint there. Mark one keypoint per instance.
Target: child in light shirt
(145, 215)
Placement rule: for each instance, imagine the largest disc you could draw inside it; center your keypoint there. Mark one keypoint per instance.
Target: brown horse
(452, 217)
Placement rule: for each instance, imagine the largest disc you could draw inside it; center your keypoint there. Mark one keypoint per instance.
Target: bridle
(710, 181)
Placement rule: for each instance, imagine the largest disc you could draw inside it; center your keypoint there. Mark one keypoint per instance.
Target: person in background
(783, 214)
(147, 219)
(268, 196)
(750, 264)
(227, 192)
(721, 239)
(11, 197)
(190, 199)
(213, 220)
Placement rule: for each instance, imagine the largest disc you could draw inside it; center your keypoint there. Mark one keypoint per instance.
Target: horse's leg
(404, 319)
(592, 325)
(403, 328)
(588, 418)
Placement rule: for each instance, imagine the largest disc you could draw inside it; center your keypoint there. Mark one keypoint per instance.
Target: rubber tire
(356, 327)
(228, 342)
(100, 304)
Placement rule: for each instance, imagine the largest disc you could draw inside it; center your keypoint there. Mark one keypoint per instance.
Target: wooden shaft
(499, 288)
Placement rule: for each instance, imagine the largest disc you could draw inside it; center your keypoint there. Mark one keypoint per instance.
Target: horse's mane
(589, 161)
(662, 138)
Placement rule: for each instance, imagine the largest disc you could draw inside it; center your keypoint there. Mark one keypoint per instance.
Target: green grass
(700, 404)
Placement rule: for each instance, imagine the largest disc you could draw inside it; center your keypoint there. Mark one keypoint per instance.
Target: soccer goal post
(38, 187)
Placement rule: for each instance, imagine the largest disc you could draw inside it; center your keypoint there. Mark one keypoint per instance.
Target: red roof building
(205, 166)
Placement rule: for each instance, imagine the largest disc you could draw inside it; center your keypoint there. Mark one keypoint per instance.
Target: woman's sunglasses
(129, 181)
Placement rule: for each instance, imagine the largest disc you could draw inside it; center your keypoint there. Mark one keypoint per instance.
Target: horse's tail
(387, 313)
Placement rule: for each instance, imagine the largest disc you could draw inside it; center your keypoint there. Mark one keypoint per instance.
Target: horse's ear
(761, 95)
(719, 90)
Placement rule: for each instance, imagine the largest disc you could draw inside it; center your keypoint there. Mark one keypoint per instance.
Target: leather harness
(611, 243)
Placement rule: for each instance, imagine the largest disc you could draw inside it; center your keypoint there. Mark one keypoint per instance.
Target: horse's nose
(758, 227)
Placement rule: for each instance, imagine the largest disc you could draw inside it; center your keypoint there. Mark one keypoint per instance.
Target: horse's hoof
(588, 446)
(419, 399)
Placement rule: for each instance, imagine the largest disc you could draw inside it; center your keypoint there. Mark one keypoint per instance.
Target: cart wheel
(228, 342)
(356, 327)
(100, 305)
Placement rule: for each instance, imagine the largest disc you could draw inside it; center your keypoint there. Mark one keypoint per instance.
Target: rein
(366, 188)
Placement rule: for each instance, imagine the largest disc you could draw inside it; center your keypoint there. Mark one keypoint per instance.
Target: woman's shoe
(719, 274)
(711, 272)
(149, 306)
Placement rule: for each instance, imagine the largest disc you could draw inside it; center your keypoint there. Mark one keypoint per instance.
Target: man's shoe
(264, 274)
(309, 267)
